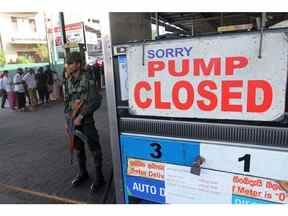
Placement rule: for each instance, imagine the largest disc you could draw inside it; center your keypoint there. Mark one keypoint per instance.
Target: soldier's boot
(82, 176)
(99, 180)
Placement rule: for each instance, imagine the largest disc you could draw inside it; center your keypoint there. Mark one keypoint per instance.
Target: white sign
(256, 162)
(74, 34)
(210, 187)
(183, 187)
(213, 187)
(91, 37)
(217, 77)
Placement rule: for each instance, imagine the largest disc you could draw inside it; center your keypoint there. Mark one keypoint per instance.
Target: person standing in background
(31, 87)
(56, 86)
(36, 93)
(98, 70)
(50, 81)
(1, 84)
(19, 89)
(3, 92)
(37, 79)
(26, 71)
(8, 86)
(42, 86)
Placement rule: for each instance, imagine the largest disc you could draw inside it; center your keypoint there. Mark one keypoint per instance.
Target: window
(14, 23)
(32, 25)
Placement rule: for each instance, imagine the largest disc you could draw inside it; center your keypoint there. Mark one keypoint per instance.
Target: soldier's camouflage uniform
(85, 90)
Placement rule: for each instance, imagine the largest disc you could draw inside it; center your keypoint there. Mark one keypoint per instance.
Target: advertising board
(74, 34)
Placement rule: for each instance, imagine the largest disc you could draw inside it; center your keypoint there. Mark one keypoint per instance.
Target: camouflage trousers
(92, 140)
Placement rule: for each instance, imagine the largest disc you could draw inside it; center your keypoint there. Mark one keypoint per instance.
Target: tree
(2, 59)
(42, 52)
(23, 60)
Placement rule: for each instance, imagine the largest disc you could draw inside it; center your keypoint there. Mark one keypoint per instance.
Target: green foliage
(24, 60)
(42, 52)
(2, 59)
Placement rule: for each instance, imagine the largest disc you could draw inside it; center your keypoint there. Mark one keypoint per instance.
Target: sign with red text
(145, 169)
(217, 77)
(170, 183)
(74, 34)
(259, 189)
(213, 187)
(236, 174)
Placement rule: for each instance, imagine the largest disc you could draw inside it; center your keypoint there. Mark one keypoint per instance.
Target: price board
(158, 169)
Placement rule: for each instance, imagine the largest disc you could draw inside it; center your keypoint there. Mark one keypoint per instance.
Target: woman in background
(3, 92)
(56, 86)
(9, 88)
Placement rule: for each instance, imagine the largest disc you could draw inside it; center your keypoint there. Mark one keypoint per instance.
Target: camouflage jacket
(85, 90)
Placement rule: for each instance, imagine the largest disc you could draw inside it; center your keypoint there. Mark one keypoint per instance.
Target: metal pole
(157, 24)
(263, 21)
(221, 19)
(192, 28)
(55, 54)
(112, 112)
(85, 42)
(62, 24)
(48, 40)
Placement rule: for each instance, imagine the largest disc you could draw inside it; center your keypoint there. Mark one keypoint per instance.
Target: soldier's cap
(74, 57)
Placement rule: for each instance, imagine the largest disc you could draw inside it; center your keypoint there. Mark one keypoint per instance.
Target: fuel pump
(197, 119)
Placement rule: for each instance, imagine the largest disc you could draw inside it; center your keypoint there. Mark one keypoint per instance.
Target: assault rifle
(70, 130)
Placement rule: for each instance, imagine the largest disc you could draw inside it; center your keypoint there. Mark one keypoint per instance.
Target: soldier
(80, 88)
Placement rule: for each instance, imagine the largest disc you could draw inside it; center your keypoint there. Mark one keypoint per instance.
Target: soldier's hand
(77, 121)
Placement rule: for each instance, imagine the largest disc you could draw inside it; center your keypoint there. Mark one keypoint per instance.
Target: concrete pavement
(35, 161)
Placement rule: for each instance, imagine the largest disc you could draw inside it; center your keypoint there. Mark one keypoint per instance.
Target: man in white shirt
(19, 89)
(30, 81)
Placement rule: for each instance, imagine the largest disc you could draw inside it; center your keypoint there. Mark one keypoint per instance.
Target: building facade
(21, 35)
